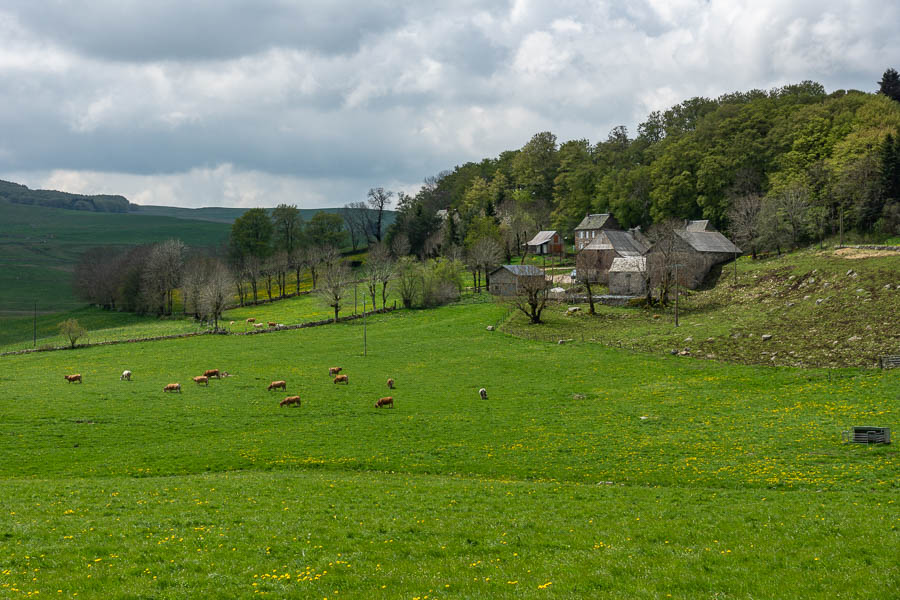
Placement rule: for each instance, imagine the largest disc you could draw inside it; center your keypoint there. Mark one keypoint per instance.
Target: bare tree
(516, 226)
(162, 274)
(214, 294)
(193, 279)
(336, 278)
(311, 258)
(408, 279)
(251, 271)
(773, 229)
(400, 246)
(379, 268)
(743, 218)
(279, 264)
(379, 199)
(793, 205)
(668, 258)
(531, 297)
(72, 331)
(358, 219)
(484, 255)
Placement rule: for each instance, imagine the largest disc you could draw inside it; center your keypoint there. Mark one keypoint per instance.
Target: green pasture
(589, 472)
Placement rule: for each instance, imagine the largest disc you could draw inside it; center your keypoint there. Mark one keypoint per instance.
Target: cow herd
(275, 385)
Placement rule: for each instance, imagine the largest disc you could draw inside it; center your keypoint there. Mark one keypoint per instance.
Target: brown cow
(273, 324)
(342, 379)
(290, 400)
(251, 320)
(389, 401)
(75, 377)
(212, 373)
(390, 384)
(173, 387)
(201, 379)
(278, 384)
(335, 370)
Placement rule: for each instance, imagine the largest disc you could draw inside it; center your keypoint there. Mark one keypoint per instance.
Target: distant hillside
(227, 215)
(20, 194)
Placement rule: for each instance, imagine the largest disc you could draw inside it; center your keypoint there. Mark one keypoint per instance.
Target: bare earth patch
(856, 253)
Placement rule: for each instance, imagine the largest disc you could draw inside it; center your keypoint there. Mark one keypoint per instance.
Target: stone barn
(698, 251)
(508, 280)
(628, 276)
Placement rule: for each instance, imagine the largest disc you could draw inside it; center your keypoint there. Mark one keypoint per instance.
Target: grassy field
(589, 472)
(40, 246)
(822, 308)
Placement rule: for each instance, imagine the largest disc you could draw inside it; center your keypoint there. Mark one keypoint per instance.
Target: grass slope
(589, 472)
(823, 308)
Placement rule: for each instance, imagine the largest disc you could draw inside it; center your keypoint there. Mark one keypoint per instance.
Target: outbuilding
(509, 280)
(545, 242)
(628, 276)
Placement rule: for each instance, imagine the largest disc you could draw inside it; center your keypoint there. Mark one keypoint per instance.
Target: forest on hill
(774, 168)
(20, 194)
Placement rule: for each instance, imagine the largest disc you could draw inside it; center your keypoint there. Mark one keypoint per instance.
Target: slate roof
(621, 241)
(698, 226)
(628, 264)
(521, 270)
(708, 241)
(594, 221)
(541, 237)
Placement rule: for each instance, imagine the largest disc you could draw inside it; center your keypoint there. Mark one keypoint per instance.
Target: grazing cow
(126, 376)
(335, 370)
(231, 322)
(173, 387)
(389, 401)
(201, 379)
(390, 384)
(251, 320)
(342, 379)
(278, 384)
(259, 325)
(75, 377)
(290, 400)
(273, 324)
(211, 373)
(483, 393)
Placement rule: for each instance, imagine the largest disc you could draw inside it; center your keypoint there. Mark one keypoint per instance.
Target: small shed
(508, 280)
(545, 242)
(628, 276)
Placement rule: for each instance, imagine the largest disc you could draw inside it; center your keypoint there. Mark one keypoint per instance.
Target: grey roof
(519, 270)
(698, 225)
(708, 241)
(628, 264)
(621, 241)
(541, 237)
(594, 221)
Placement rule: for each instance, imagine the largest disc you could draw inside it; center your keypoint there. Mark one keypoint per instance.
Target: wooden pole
(676, 294)
(365, 345)
(34, 327)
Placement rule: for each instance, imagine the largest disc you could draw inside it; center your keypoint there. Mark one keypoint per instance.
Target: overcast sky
(258, 102)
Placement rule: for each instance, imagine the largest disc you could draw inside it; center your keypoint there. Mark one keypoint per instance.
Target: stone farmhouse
(628, 276)
(591, 226)
(699, 249)
(595, 259)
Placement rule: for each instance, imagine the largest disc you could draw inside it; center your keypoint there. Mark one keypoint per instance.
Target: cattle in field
(388, 401)
(483, 393)
(335, 370)
(172, 387)
(290, 400)
(342, 379)
(390, 384)
(75, 377)
(251, 320)
(273, 324)
(259, 325)
(125, 376)
(278, 384)
(211, 373)
(201, 379)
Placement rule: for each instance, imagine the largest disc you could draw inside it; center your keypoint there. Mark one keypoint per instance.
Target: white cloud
(321, 104)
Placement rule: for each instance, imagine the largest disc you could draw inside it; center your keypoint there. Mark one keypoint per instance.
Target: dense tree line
(774, 168)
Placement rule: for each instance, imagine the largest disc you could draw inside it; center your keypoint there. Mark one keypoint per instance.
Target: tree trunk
(590, 295)
(336, 309)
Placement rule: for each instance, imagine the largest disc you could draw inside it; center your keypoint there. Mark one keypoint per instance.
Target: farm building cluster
(623, 260)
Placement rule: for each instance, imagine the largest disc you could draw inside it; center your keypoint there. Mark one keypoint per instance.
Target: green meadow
(588, 472)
